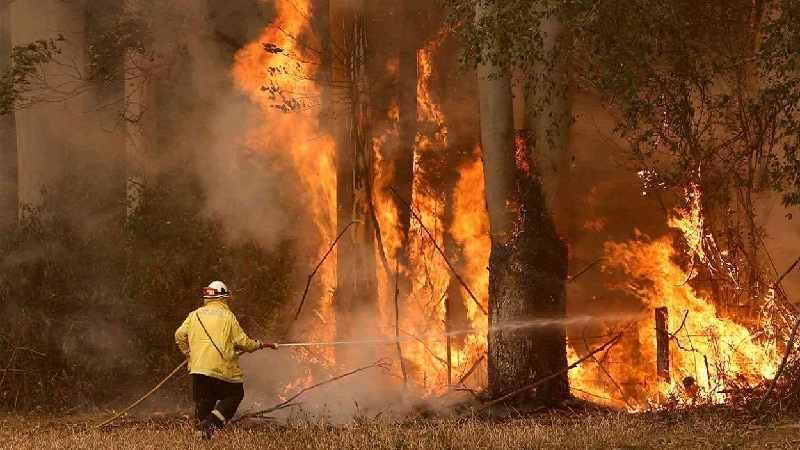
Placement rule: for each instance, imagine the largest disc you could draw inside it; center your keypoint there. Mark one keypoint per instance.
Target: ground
(716, 429)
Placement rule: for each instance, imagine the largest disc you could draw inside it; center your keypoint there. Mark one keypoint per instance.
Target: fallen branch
(789, 343)
(425, 347)
(787, 272)
(8, 366)
(608, 375)
(571, 278)
(683, 323)
(439, 250)
(471, 370)
(777, 284)
(571, 388)
(551, 376)
(142, 398)
(316, 269)
(284, 404)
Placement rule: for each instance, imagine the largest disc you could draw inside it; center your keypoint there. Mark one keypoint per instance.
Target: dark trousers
(212, 394)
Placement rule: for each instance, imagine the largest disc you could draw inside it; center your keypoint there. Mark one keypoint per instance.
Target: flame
(689, 221)
(423, 309)
(269, 71)
(714, 350)
(425, 313)
(471, 231)
(711, 348)
(385, 207)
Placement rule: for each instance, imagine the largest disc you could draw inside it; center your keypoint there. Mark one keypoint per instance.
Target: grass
(699, 429)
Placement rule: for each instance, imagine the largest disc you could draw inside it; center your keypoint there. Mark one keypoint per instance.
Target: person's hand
(271, 345)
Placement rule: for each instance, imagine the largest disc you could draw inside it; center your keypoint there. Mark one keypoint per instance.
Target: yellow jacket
(222, 361)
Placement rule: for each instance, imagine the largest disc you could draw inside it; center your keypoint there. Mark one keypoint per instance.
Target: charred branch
(439, 250)
(319, 264)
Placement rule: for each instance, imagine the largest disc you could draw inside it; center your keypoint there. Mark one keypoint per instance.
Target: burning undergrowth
(697, 353)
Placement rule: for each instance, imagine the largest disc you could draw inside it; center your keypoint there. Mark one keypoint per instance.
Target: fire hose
(536, 323)
(183, 364)
(144, 397)
(148, 394)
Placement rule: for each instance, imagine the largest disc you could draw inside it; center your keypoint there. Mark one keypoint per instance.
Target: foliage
(114, 34)
(88, 313)
(121, 47)
(24, 65)
(705, 94)
(708, 86)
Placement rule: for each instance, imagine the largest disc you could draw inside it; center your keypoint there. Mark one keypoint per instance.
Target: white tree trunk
(71, 128)
(8, 137)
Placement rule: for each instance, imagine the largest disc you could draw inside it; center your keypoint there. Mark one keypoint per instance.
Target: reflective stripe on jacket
(227, 334)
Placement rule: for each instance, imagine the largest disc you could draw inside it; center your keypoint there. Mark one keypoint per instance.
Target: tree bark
(527, 266)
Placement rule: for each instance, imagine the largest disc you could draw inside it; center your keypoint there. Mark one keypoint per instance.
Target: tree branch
(316, 269)
(439, 249)
(381, 363)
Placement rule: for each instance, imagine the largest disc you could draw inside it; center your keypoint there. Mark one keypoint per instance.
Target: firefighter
(211, 338)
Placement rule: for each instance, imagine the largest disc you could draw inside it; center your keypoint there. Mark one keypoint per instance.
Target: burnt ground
(703, 429)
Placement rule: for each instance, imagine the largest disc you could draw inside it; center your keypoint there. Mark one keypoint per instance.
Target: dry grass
(711, 430)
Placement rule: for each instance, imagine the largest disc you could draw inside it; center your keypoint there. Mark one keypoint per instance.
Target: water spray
(508, 326)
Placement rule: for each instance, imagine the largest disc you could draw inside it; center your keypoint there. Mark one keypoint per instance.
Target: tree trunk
(71, 140)
(108, 141)
(548, 118)
(139, 124)
(527, 266)
(51, 136)
(8, 135)
(407, 103)
(356, 276)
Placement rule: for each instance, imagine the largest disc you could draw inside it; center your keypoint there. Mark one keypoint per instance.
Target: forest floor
(702, 429)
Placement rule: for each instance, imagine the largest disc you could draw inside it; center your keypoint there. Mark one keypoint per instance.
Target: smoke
(782, 239)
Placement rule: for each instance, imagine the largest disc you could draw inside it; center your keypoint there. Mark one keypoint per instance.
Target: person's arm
(182, 336)
(241, 341)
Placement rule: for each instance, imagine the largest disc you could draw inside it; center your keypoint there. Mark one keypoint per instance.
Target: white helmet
(216, 289)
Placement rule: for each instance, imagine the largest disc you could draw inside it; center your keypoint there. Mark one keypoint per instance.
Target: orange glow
(295, 134)
(711, 348)
(707, 346)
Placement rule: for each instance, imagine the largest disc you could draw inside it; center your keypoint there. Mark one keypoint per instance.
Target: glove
(271, 345)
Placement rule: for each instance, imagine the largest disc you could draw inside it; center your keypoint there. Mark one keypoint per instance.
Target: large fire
(706, 349)
(703, 345)
(273, 77)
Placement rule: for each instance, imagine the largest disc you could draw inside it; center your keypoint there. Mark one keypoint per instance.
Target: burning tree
(316, 68)
(528, 265)
(704, 96)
